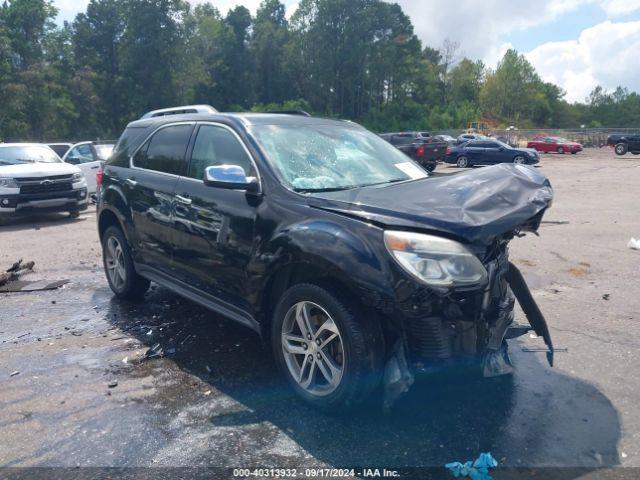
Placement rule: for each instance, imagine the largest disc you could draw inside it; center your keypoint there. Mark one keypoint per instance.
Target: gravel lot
(217, 400)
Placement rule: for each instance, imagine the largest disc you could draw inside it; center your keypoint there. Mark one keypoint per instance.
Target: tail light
(99, 176)
(448, 152)
(420, 150)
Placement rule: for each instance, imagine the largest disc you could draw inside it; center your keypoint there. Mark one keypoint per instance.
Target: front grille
(34, 188)
(53, 178)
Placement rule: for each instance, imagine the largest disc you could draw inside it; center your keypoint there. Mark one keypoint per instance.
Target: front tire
(118, 266)
(462, 162)
(329, 352)
(560, 150)
(620, 149)
(519, 160)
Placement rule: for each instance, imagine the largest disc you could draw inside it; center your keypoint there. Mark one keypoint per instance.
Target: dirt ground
(215, 400)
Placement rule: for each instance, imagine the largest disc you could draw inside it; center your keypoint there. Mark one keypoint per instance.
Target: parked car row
(35, 179)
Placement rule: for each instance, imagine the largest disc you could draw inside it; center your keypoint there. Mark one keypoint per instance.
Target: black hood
(477, 205)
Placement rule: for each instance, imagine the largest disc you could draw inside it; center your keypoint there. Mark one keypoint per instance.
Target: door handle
(130, 182)
(183, 200)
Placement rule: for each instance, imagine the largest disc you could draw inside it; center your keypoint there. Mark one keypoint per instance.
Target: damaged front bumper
(440, 330)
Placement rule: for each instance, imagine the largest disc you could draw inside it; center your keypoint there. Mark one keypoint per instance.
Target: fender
(328, 246)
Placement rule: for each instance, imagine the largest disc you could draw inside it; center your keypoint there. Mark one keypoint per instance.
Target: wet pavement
(88, 395)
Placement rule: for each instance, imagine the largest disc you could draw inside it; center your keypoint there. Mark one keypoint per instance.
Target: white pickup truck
(33, 180)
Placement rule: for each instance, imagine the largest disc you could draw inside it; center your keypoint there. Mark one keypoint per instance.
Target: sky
(576, 44)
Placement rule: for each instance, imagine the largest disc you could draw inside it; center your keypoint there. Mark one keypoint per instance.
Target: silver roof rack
(180, 110)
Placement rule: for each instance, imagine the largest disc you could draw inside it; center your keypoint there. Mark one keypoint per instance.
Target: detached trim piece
(530, 307)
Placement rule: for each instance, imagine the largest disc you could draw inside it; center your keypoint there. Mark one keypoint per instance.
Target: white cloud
(480, 26)
(605, 54)
(614, 8)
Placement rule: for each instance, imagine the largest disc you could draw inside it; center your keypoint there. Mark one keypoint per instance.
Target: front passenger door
(214, 227)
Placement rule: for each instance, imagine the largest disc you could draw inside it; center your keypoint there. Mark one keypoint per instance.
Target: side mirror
(231, 177)
(501, 149)
(73, 160)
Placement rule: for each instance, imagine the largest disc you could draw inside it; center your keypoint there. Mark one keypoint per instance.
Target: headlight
(77, 177)
(434, 260)
(8, 183)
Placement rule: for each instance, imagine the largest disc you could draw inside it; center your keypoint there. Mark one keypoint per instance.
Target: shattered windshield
(27, 154)
(311, 158)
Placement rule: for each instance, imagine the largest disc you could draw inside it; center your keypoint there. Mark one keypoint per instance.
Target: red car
(554, 144)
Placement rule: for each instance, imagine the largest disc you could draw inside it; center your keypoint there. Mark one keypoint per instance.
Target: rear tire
(462, 162)
(573, 153)
(118, 266)
(354, 355)
(620, 149)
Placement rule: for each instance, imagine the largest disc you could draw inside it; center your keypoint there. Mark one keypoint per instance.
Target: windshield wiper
(393, 180)
(328, 189)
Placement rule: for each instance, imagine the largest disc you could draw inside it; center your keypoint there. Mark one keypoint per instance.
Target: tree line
(353, 59)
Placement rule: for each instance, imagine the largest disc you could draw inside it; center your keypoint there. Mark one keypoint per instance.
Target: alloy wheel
(518, 159)
(114, 261)
(313, 349)
(463, 162)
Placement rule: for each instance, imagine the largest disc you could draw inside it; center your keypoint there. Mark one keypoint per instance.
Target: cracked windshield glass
(331, 157)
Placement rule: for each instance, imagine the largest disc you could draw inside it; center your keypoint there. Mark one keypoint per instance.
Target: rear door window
(165, 151)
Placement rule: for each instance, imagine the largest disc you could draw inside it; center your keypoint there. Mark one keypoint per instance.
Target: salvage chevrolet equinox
(357, 267)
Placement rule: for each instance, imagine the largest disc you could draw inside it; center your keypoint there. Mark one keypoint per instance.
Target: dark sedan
(489, 152)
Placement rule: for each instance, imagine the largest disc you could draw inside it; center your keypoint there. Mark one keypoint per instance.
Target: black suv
(357, 267)
(623, 143)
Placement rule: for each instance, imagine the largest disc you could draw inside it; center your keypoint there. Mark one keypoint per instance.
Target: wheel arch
(114, 210)
(315, 271)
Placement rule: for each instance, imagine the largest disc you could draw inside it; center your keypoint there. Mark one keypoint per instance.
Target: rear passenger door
(156, 167)
(214, 227)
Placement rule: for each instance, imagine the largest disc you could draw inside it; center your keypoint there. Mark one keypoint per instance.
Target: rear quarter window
(127, 143)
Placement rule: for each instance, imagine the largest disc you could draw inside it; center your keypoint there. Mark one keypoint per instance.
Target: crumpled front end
(441, 329)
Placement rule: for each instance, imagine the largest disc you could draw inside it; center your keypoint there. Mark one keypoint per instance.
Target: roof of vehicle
(246, 119)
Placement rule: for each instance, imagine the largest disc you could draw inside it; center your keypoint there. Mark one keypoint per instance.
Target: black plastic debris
(397, 375)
